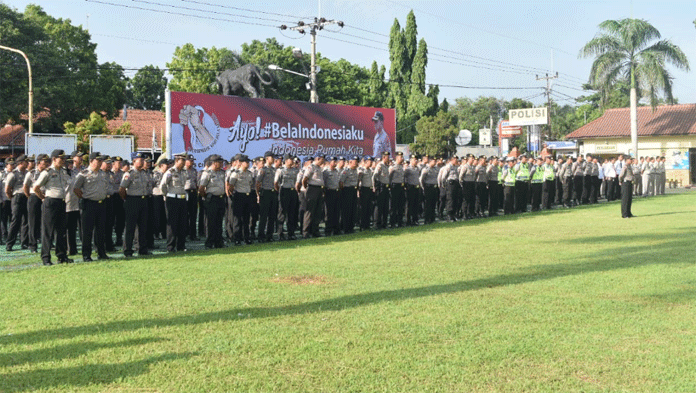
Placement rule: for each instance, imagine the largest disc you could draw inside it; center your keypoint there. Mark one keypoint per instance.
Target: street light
(31, 90)
(310, 86)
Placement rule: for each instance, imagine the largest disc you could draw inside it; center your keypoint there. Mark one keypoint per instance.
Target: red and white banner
(203, 124)
(505, 130)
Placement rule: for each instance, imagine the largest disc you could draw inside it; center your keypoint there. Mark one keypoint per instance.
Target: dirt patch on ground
(302, 280)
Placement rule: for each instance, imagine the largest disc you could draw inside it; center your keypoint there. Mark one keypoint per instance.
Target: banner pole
(168, 121)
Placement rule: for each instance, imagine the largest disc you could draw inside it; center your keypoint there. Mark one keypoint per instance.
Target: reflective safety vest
(548, 172)
(500, 175)
(523, 173)
(538, 176)
(510, 178)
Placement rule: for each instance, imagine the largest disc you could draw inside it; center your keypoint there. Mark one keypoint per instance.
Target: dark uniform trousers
(349, 204)
(509, 199)
(577, 188)
(93, 223)
(19, 221)
(381, 205)
(442, 202)
(254, 212)
(135, 208)
(34, 218)
(73, 228)
(481, 197)
(586, 189)
(494, 202)
(151, 221)
(287, 211)
(160, 217)
(469, 205)
(5, 219)
(192, 209)
(214, 211)
(229, 217)
(109, 222)
(567, 191)
(202, 225)
(312, 215)
(558, 191)
(547, 194)
(268, 213)
(333, 213)
(119, 218)
(430, 195)
(626, 198)
(414, 195)
(398, 192)
(536, 190)
(594, 190)
(521, 188)
(177, 222)
(610, 186)
(366, 196)
(453, 192)
(53, 223)
(242, 204)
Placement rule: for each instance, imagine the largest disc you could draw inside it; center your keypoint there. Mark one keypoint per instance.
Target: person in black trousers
(626, 179)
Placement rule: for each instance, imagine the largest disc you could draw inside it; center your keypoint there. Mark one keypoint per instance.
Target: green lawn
(562, 301)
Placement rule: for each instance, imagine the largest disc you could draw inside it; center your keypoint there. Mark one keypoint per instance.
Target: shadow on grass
(623, 257)
(82, 376)
(68, 351)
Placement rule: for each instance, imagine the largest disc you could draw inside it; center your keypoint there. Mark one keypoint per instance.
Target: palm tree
(624, 52)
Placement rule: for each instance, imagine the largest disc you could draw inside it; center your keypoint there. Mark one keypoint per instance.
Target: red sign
(203, 124)
(505, 130)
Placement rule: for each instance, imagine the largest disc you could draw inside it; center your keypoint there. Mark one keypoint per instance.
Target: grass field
(563, 301)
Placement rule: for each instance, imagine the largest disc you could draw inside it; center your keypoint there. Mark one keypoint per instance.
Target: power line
(245, 9)
(178, 13)
(133, 39)
(206, 11)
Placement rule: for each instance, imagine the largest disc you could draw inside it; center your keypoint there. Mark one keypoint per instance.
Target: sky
(476, 48)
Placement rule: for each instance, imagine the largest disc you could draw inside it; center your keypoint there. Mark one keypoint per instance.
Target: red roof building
(142, 123)
(668, 131)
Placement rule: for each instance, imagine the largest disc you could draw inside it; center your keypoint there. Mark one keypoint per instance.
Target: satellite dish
(463, 138)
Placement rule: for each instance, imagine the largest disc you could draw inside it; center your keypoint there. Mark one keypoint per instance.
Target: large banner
(203, 124)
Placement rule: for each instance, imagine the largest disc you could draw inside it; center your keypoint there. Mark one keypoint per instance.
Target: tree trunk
(634, 122)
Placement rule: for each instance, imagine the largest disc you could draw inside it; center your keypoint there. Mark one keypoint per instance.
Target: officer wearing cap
(302, 190)
(382, 191)
(414, 192)
(173, 186)
(255, 211)
(448, 180)
(212, 189)
(509, 182)
(366, 192)
(331, 197)
(191, 188)
(467, 178)
(522, 177)
(566, 175)
(92, 187)
(398, 191)
(55, 181)
(313, 180)
(428, 182)
(549, 177)
(481, 184)
(241, 183)
(33, 201)
(348, 182)
(284, 181)
(72, 202)
(115, 215)
(268, 198)
(13, 189)
(492, 171)
(134, 191)
(159, 216)
(381, 141)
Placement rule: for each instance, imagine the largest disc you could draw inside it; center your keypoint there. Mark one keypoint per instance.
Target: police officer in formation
(341, 192)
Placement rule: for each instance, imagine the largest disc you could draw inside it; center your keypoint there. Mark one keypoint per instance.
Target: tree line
(70, 84)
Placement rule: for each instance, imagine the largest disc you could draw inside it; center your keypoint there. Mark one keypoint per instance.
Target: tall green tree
(146, 89)
(436, 134)
(624, 51)
(68, 81)
(95, 124)
(194, 70)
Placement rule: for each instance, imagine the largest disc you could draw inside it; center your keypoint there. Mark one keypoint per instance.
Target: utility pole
(31, 89)
(301, 27)
(548, 98)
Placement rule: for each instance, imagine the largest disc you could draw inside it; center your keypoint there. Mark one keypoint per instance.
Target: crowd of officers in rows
(59, 197)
